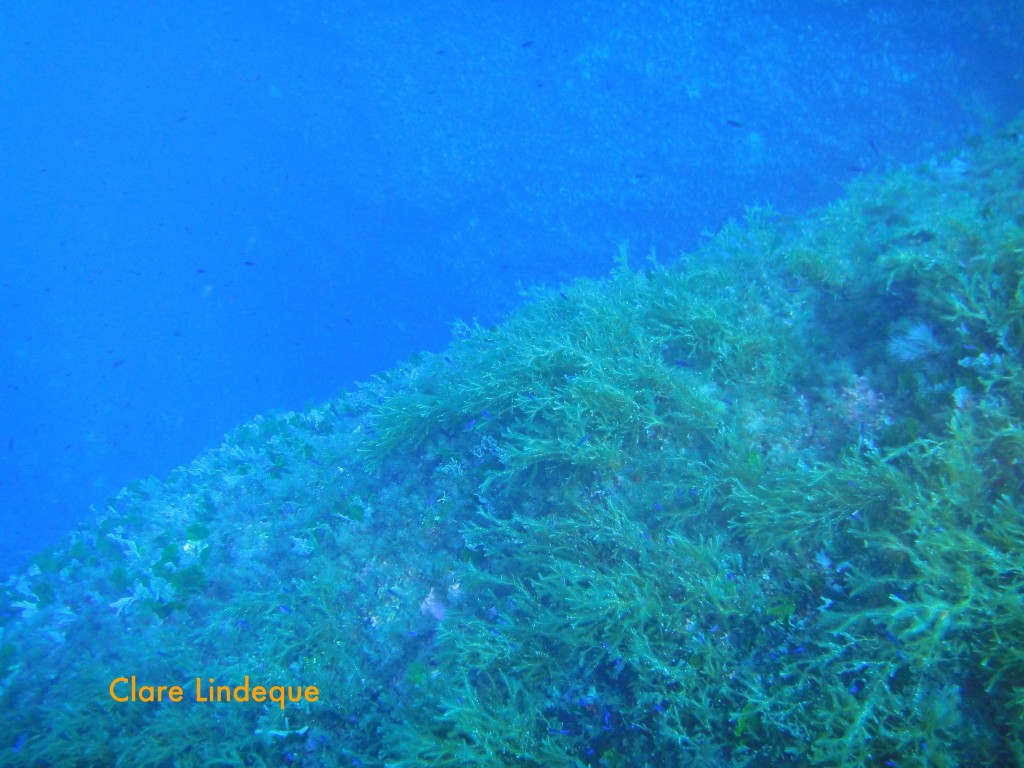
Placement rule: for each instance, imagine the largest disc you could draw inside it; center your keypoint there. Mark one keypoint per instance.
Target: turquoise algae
(761, 506)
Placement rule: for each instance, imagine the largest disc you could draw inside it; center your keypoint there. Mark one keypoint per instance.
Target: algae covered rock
(758, 506)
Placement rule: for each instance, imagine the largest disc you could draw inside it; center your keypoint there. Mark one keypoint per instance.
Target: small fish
(734, 123)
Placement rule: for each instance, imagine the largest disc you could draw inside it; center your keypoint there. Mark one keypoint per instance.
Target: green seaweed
(760, 506)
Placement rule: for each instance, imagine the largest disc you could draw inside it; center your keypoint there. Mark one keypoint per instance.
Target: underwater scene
(747, 498)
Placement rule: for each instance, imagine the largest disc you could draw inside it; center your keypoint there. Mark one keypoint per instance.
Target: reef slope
(760, 506)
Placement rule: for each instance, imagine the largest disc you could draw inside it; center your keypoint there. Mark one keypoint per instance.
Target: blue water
(209, 211)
